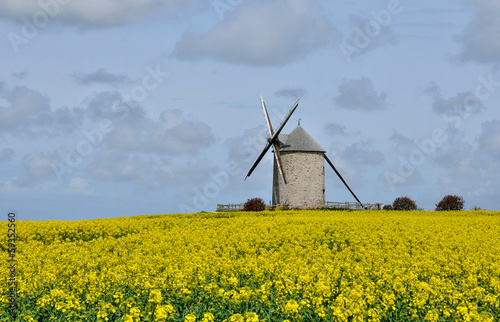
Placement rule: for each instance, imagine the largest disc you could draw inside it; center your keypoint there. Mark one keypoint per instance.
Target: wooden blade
(274, 136)
(280, 162)
(334, 169)
(261, 155)
(282, 125)
(266, 115)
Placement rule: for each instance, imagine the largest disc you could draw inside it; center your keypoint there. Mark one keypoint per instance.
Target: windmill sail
(342, 179)
(272, 141)
(275, 144)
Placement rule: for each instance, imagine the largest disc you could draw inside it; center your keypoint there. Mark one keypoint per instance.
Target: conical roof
(299, 141)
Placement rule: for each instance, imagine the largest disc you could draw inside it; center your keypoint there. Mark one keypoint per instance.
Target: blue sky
(148, 107)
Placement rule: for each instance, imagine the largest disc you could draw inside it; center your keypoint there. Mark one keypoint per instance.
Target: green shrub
(404, 203)
(387, 207)
(255, 204)
(451, 202)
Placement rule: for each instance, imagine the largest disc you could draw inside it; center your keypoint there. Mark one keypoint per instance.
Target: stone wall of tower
(305, 174)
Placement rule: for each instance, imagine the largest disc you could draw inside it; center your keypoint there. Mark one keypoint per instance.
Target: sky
(122, 108)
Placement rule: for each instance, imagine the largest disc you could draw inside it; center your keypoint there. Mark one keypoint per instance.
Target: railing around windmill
(230, 207)
(328, 204)
(353, 205)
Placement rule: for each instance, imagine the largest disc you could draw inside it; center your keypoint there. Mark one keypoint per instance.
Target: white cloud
(25, 107)
(130, 151)
(90, 12)
(402, 142)
(38, 167)
(153, 153)
(293, 93)
(112, 105)
(385, 35)
(79, 184)
(101, 76)
(39, 164)
(352, 162)
(359, 94)
(360, 154)
(479, 39)
(113, 164)
(261, 33)
(151, 171)
(188, 172)
(20, 75)
(171, 136)
(28, 112)
(461, 103)
(335, 129)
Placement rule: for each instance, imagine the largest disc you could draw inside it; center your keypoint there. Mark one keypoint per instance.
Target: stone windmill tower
(304, 164)
(299, 167)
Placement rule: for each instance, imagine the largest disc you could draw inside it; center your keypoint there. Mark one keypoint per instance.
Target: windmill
(299, 170)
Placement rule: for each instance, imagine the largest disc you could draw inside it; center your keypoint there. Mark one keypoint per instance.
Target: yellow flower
(321, 312)
(128, 318)
(135, 312)
(160, 313)
(346, 266)
(102, 314)
(292, 306)
(155, 296)
(432, 316)
(236, 318)
(233, 280)
(208, 317)
(169, 308)
(251, 317)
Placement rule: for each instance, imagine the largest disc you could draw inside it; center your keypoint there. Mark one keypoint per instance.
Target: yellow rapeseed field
(269, 266)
